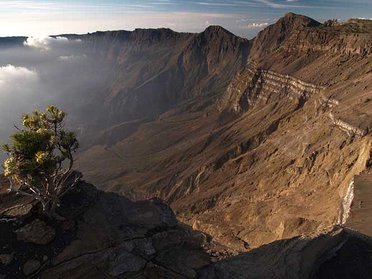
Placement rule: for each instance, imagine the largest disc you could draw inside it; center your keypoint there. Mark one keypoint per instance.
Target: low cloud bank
(47, 43)
(258, 24)
(12, 76)
(68, 73)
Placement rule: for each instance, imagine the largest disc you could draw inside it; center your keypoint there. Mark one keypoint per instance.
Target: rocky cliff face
(298, 34)
(253, 86)
(156, 70)
(265, 146)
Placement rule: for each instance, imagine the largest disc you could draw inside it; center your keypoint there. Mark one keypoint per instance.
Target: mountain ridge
(208, 155)
(259, 144)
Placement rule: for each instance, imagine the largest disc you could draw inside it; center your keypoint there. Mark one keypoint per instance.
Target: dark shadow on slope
(103, 235)
(341, 254)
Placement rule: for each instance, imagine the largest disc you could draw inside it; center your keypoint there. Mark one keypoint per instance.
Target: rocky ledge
(103, 235)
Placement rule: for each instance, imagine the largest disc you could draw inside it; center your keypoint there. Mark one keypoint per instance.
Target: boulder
(36, 232)
(30, 267)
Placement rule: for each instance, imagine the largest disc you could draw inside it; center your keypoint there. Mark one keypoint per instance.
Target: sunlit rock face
(358, 217)
(263, 148)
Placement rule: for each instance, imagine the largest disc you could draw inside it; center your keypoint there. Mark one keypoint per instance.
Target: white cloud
(258, 24)
(46, 43)
(272, 4)
(71, 57)
(12, 76)
(216, 4)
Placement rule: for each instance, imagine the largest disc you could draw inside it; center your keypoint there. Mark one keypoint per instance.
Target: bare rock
(6, 259)
(126, 262)
(30, 267)
(19, 211)
(36, 232)
(183, 260)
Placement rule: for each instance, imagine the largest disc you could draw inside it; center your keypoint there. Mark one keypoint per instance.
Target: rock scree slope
(263, 138)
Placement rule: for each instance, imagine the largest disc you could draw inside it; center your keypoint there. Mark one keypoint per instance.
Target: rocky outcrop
(346, 127)
(270, 84)
(253, 85)
(346, 203)
(298, 34)
(360, 209)
(360, 166)
(102, 234)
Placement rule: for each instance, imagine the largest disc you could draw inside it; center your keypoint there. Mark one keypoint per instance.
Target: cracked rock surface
(104, 235)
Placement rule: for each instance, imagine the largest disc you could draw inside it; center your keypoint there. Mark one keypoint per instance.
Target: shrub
(40, 158)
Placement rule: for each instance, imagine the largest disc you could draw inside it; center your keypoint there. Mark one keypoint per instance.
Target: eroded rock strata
(267, 154)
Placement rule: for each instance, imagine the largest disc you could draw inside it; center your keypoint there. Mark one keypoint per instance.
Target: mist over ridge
(49, 70)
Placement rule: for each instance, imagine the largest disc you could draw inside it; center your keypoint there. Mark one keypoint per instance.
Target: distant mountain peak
(295, 20)
(153, 30)
(217, 29)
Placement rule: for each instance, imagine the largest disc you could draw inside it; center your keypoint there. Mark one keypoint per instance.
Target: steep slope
(156, 70)
(274, 152)
(295, 35)
(359, 217)
(276, 35)
(104, 235)
(340, 254)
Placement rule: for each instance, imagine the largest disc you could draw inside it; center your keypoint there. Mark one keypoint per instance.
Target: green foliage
(40, 157)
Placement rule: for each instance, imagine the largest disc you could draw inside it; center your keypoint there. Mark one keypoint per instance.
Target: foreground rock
(103, 234)
(36, 232)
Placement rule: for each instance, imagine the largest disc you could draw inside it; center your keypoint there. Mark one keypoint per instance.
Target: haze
(47, 70)
(244, 18)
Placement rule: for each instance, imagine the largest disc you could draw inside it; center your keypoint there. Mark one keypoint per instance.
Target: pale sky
(244, 18)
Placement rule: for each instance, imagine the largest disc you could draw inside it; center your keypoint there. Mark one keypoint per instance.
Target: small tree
(40, 158)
